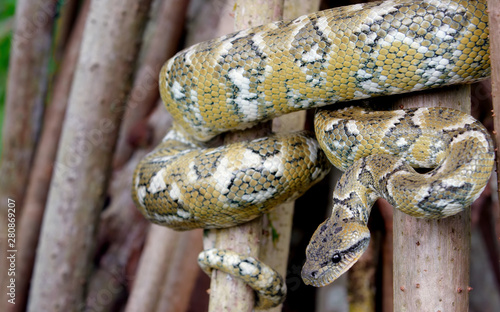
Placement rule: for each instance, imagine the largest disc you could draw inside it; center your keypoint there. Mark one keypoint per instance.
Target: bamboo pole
(38, 186)
(431, 258)
(109, 47)
(226, 292)
(494, 25)
(24, 103)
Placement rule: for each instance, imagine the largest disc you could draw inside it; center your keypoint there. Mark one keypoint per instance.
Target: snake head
(335, 246)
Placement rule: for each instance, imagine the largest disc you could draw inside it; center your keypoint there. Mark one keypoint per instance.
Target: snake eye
(336, 258)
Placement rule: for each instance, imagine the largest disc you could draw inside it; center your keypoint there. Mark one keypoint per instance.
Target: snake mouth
(326, 277)
(319, 276)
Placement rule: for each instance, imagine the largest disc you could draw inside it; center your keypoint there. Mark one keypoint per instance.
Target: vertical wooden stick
(164, 41)
(109, 48)
(494, 25)
(431, 258)
(277, 225)
(182, 273)
(26, 90)
(41, 174)
(226, 292)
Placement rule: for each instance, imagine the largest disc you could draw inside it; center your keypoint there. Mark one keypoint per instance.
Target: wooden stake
(277, 224)
(431, 257)
(24, 104)
(163, 43)
(102, 78)
(226, 292)
(494, 25)
(41, 174)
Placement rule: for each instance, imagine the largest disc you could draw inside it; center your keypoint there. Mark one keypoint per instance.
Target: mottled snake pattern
(337, 55)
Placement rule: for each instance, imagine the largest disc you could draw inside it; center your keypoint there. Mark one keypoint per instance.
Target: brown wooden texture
(162, 44)
(120, 240)
(226, 292)
(183, 271)
(277, 224)
(41, 174)
(431, 257)
(387, 255)
(167, 268)
(26, 90)
(494, 25)
(109, 49)
(153, 267)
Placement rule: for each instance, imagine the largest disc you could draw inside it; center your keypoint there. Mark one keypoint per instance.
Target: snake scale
(347, 53)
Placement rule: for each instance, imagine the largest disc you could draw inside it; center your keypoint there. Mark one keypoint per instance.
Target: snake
(327, 57)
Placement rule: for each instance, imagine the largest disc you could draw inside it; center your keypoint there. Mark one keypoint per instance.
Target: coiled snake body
(342, 54)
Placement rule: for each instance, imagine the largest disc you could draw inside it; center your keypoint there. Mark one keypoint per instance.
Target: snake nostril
(314, 273)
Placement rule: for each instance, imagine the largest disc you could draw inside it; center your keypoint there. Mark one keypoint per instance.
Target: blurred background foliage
(7, 8)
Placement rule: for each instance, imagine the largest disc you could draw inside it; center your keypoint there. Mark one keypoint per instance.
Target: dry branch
(30, 51)
(387, 214)
(431, 258)
(144, 94)
(155, 274)
(109, 48)
(26, 90)
(167, 271)
(38, 186)
(121, 237)
(182, 273)
(65, 23)
(226, 292)
(153, 269)
(274, 251)
(494, 25)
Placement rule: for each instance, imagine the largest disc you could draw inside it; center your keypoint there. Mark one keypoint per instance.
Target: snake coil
(342, 54)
